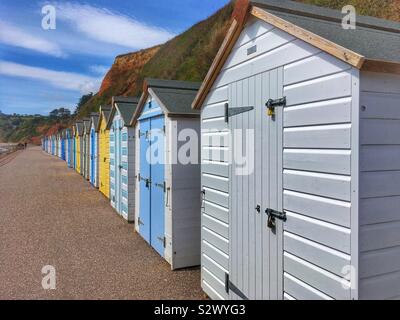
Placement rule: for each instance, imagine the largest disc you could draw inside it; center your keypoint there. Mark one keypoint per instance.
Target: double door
(152, 182)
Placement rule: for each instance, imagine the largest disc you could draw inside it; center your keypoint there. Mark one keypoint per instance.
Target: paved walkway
(50, 216)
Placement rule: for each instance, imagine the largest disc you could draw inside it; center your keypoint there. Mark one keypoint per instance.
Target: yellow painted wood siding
(104, 159)
(78, 153)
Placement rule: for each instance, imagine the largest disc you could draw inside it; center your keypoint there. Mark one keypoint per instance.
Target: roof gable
(174, 97)
(373, 38)
(86, 125)
(373, 46)
(126, 107)
(104, 113)
(79, 128)
(94, 120)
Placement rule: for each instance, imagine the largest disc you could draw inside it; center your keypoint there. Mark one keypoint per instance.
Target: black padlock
(271, 222)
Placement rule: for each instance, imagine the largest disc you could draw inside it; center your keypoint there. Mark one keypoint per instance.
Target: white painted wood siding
(318, 190)
(380, 186)
(317, 160)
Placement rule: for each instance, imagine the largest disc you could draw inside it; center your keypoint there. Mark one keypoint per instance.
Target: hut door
(152, 187)
(157, 184)
(92, 144)
(144, 184)
(118, 166)
(256, 252)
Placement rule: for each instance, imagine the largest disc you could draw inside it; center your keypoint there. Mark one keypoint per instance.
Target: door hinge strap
(230, 112)
(140, 223)
(229, 286)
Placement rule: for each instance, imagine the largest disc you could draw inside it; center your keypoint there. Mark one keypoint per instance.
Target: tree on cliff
(82, 101)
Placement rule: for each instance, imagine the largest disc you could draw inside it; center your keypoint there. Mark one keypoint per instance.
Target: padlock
(271, 222)
(271, 111)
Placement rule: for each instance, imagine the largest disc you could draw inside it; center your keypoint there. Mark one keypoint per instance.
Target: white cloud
(99, 69)
(14, 36)
(64, 80)
(106, 26)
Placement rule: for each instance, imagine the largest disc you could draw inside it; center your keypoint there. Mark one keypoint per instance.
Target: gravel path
(50, 216)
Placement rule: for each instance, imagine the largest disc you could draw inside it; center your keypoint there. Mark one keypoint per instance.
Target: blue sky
(45, 69)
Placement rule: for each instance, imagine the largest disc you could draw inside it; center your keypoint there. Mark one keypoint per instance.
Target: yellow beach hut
(104, 151)
(78, 144)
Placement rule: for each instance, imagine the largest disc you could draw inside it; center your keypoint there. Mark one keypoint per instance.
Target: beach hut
(63, 144)
(79, 146)
(122, 156)
(94, 150)
(301, 200)
(104, 151)
(168, 197)
(53, 144)
(58, 137)
(68, 148)
(73, 143)
(86, 148)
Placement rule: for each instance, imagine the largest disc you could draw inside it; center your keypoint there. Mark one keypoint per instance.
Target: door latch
(272, 104)
(161, 185)
(163, 240)
(273, 215)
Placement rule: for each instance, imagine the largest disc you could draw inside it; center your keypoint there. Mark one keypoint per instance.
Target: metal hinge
(146, 181)
(272, 104)
(143, 133)
(230, 112)
(140, 223)
(163, 240)
(229, 286)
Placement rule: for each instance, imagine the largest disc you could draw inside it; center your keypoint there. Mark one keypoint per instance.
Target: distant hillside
(385, 9)
(186, 57)
(121, 79)
(17, 128)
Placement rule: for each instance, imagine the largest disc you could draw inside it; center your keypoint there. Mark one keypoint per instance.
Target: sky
(53, 52)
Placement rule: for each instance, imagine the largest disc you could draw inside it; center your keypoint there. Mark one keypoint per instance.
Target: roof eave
(126, 123)
(140, 105)
(381, 66)
(110, 118)
(236, 28)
